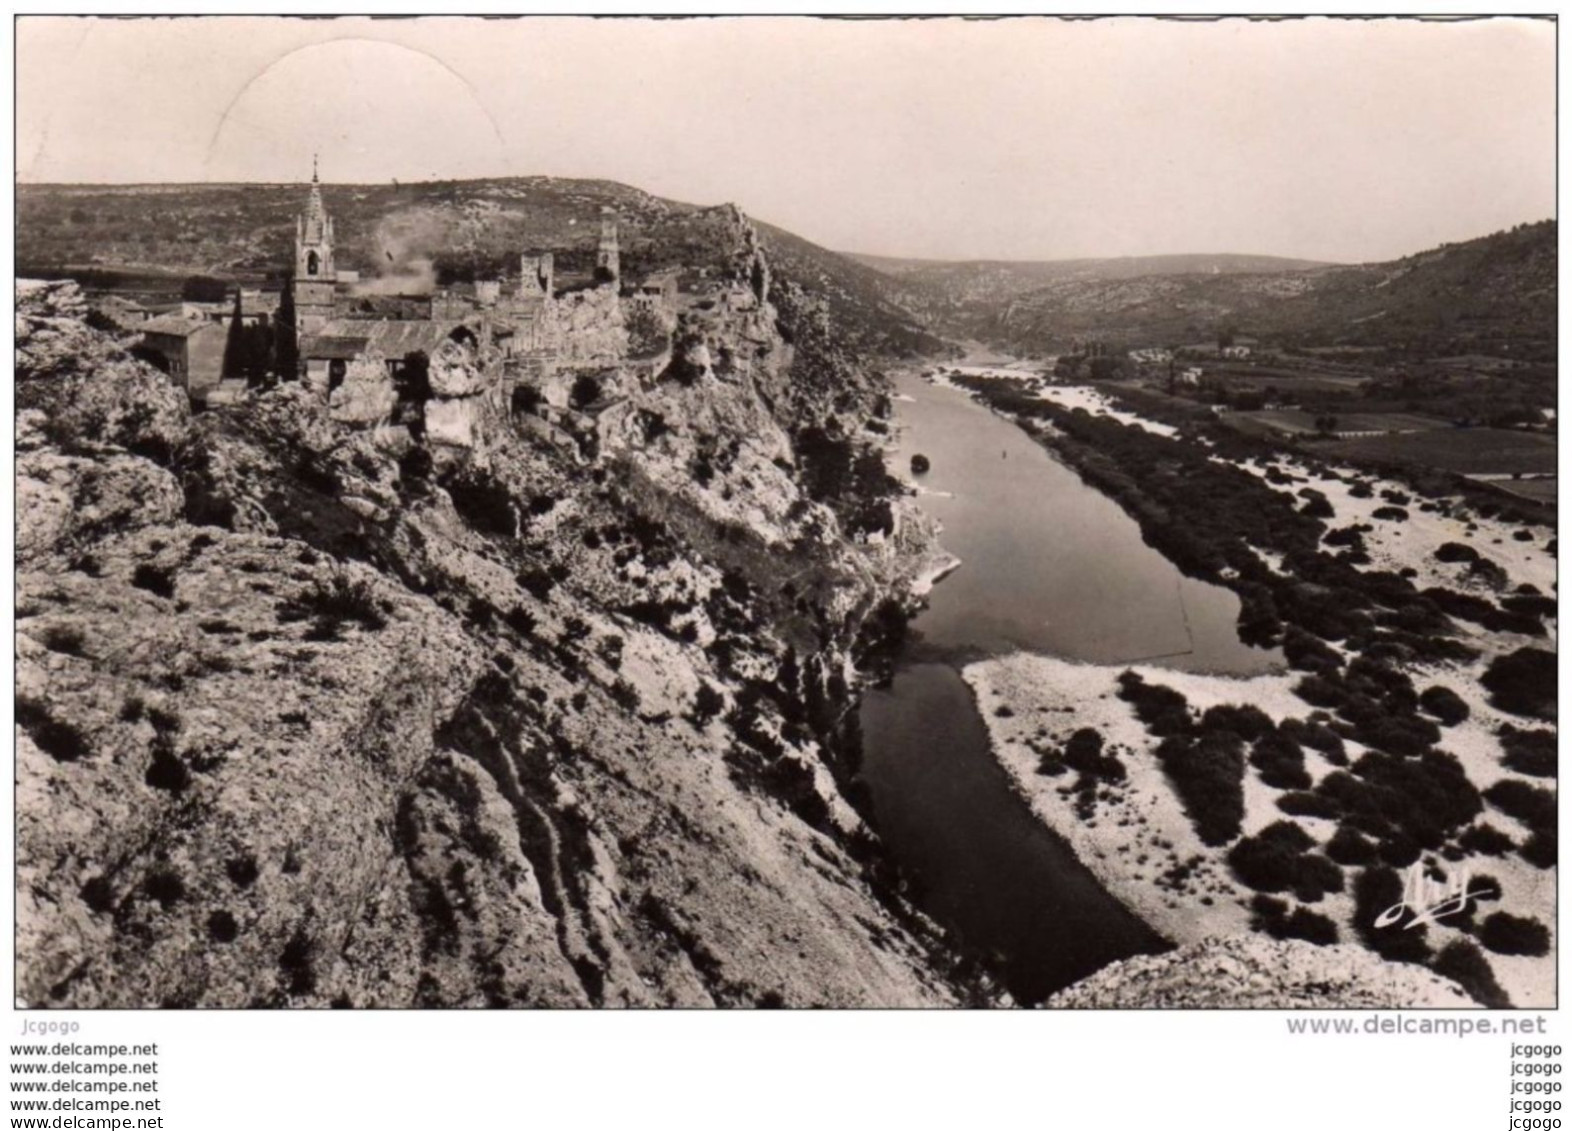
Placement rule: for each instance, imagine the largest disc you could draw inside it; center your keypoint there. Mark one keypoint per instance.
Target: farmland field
(1303, 423)
(1466, 451)
(1540, 490)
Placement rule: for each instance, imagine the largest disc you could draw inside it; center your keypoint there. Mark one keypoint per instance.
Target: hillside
(1495, 295)
(316, 710)
(991, 281)
(405, 237)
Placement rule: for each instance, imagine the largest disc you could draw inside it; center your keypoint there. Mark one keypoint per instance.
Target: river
(1049, 565)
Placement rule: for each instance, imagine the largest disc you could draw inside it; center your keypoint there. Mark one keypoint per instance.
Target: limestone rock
(1255, 972)
(87, 389)
(65, 500)
(307, 719)
(366, 397)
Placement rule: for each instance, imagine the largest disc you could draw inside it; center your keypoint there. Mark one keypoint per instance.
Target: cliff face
(310, 714)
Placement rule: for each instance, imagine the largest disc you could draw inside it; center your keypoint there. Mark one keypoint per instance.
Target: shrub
(1208, 776)
(341, 599)
(624, 694)
(1535, 807)
(1530, 606)
(1316, 504)
(1272, 916)
(67, 639)
(1444, 704)
(1248, 722)
(1462, 961)
(1488, 572)
(1321, 691)
(1372, 675)
(1084, 753)
(1305, 924)
(1408, 736)
(1485, 840)
(1512, 934)
(707, 703)
(1277, 859)
(1280, 761)
(1530, 751)
(1084, 749)
(1349, 847)
(537, 582)
(1540, 849)
(1316, 736)
(1456, 552)
(1303, 803)
(920, 464)
(1163, 710)
(1390, 514)
(1426, 797)
(1375, 891)
(520, 620)
(1309, 653)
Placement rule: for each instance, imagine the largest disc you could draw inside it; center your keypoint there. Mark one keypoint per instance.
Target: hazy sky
(1021, 138)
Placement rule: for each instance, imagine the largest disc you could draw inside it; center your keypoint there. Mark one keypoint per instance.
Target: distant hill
(1493, 295)
(149, 237)
(992, 280)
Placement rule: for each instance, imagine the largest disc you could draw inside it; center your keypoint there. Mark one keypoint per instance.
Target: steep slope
(308, 715)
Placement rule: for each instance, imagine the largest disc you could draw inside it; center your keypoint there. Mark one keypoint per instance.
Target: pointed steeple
(316, 229)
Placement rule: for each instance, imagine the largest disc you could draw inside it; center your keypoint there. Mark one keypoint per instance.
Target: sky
(1336, 140)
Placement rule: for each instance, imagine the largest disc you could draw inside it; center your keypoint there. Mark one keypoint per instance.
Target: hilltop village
(537, 343)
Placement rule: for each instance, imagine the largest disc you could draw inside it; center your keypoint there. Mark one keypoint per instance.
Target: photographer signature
(1428, 899)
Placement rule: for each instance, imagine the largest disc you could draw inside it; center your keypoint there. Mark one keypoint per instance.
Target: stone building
(190, 350)
(433, 362)
(658, 291)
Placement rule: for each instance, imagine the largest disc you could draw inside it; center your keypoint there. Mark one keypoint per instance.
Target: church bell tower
(315, 274)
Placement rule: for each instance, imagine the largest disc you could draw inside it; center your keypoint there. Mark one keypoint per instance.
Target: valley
(649, 669)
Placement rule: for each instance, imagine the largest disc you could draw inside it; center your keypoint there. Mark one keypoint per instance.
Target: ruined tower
(537, 275)
(315, 275)
(608, 260)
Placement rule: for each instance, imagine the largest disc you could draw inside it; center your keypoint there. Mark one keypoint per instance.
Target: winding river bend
(1049, 565)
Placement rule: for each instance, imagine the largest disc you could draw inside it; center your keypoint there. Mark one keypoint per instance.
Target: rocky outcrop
(310, 717)
(586, 327)
(1253, 972)
(84, 389)
(366, 397)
